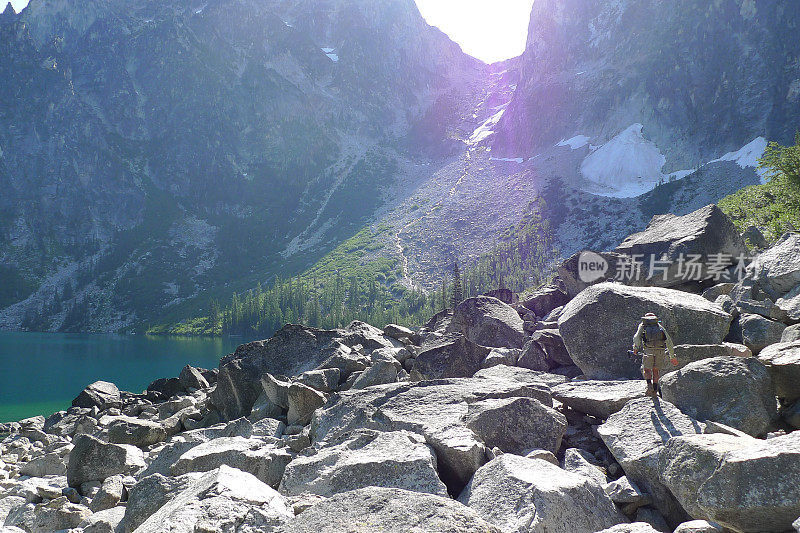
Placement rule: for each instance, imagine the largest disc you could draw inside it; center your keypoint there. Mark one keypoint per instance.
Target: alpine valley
(156, 155)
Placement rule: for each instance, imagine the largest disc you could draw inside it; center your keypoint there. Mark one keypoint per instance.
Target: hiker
(652, 339)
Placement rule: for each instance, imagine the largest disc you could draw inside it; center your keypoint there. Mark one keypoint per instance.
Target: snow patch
(331, 53)
(747, 156)
(579, 141)
(485, 130)
(508, 159)
(628, 164)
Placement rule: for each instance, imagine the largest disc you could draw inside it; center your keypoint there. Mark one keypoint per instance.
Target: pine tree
(458, 288)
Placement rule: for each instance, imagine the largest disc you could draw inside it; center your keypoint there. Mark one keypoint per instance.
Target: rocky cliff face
(143, 140)
(703, 78)
(620, 110)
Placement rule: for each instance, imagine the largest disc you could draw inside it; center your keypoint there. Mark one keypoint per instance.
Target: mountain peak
(9, 11)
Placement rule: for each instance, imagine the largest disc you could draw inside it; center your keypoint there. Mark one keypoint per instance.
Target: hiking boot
(650, 391)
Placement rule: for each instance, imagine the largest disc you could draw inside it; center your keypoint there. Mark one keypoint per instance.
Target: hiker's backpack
(654, 336)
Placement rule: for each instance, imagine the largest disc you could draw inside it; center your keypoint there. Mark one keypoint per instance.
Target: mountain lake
(41, 373)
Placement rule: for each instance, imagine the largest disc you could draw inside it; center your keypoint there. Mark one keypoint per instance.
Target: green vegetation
(775, 206)
(353, 282)
(14, 286)
(458, 288)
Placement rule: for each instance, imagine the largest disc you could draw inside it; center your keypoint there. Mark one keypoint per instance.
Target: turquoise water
(42, 372)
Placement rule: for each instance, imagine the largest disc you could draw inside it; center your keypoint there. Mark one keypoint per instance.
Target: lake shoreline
(41, 373)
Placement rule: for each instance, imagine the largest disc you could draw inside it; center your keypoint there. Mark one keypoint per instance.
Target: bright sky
(491, 30)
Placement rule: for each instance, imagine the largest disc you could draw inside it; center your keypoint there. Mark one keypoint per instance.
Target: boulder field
(492, 417)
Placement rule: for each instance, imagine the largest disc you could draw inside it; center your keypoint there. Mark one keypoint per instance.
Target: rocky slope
(614, 113)
(142, 140)
(497, 417)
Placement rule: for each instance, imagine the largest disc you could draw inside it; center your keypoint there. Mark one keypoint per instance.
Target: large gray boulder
(545, 300)
(135, 431)
(489, 322)
(94, 460)
(521, 495)
(776, 271)
(106, 521)
(385, 509)
(699, 526)
(516, 425)
(789, 304)
(276, 390)
(744, 484)
(394, 459)
(109, 495)
(452, 357)
(599, 398)
(346, 360)
(584, 463)
(586, 268)
(293, 350)
(791, 334)
(68, 423)
(264, 461)
(434, 409)
(551, 343)
(191, 378)
(49, 464)
(380, 373)
(707, 232)
(149, 494)
(324, 380)
(58, 514)
(735, 391)
(398, 332)
(627, 494)
(100, 394)
(303, 401)
(783, 362)
(689, 353)
(237, 389)
(636, 436)
(224, 499)
(522, 375)
(367, 336)
(533, 357)
(10, 504)
(598, 325)
(501, 356)
(759, 332)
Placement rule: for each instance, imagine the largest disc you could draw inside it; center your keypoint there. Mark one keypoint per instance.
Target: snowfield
(747, 156)
(508, 159)
(579, 141)
(331, 53)
(628, 164)
(485, 130)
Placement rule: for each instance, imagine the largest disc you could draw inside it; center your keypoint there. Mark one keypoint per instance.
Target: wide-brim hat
(650, 316)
